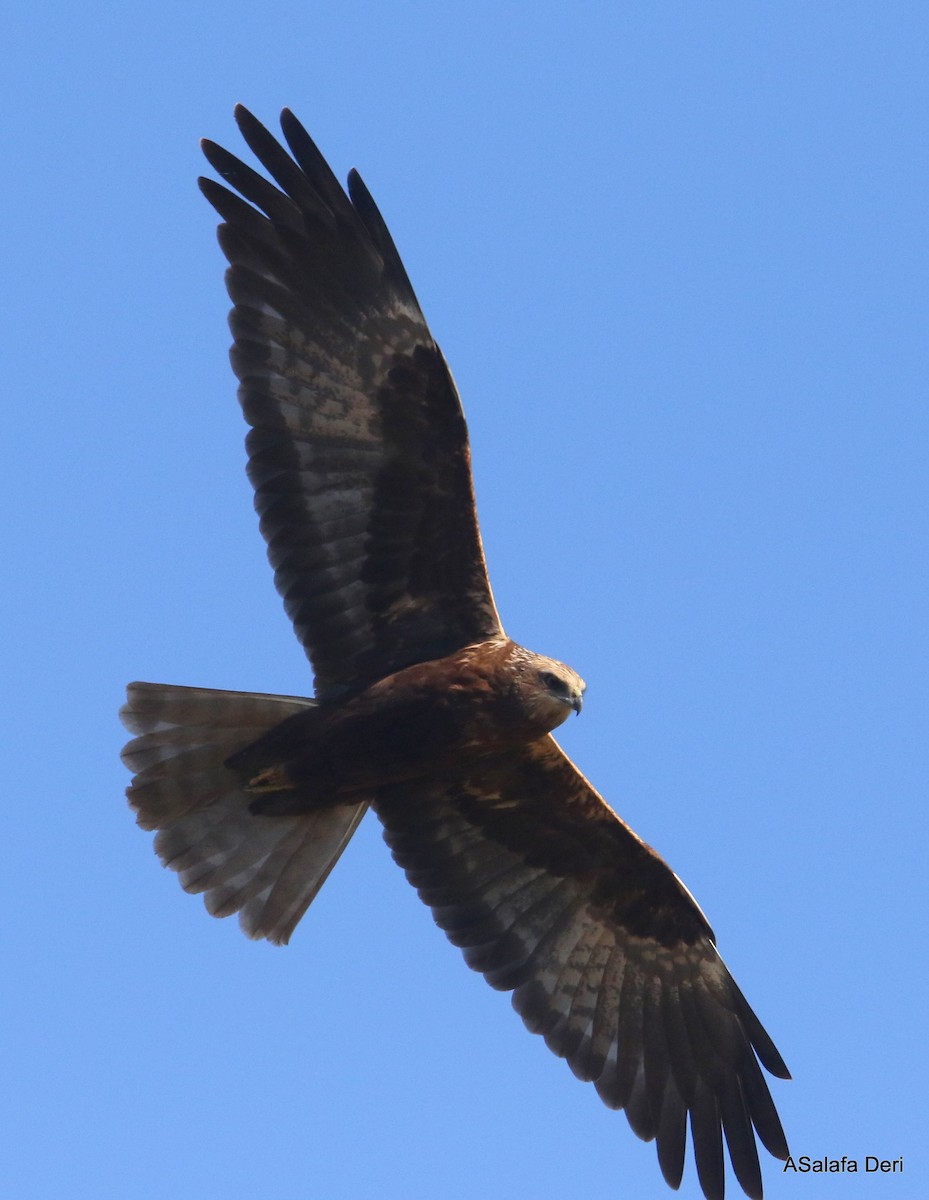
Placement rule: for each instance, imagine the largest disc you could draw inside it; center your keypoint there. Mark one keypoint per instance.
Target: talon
(272, 779)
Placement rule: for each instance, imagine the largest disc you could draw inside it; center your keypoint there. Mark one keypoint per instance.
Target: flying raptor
(424, 709)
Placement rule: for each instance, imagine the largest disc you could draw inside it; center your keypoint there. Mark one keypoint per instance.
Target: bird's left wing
(552, 896)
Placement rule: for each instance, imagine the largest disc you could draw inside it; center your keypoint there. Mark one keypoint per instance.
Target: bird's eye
(553, 682)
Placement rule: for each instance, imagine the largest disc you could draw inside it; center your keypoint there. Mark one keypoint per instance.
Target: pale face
(556, 691)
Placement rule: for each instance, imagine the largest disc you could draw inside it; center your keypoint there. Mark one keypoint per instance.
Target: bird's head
(550, 690)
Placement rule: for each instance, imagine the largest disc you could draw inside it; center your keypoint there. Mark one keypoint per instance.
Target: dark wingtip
(214, 193)
(768, 1053)
(213, 152)
(249, 125)
(290, 121)
(770, 1056)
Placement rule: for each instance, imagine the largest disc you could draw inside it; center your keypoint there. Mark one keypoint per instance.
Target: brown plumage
(424, 709)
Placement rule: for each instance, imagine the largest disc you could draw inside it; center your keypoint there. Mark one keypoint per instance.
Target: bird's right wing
(358, 451)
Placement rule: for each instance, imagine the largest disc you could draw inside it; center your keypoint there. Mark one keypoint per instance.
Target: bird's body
(420, 723)
(423, 708)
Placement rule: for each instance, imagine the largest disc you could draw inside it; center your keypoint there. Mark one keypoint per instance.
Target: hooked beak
(578, 703)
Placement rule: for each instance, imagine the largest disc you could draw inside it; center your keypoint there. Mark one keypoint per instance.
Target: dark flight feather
(359, 450)
(549, 894)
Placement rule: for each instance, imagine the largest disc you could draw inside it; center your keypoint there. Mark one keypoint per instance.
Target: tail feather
(268, 869)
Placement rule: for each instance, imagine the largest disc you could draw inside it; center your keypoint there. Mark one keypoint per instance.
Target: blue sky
(676, 255)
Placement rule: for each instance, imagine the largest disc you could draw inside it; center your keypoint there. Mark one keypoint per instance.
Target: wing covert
(358, 450)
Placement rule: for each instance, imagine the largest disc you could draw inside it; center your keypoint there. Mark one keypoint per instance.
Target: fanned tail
(268, 869)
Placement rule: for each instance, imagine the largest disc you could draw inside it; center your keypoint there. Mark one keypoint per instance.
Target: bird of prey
(423, 708)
